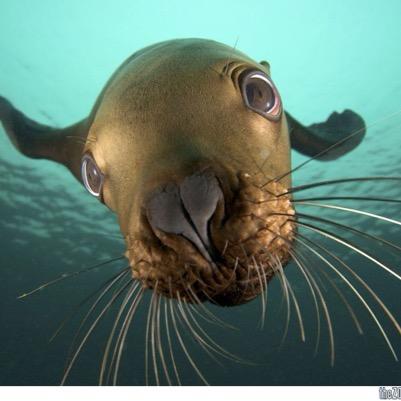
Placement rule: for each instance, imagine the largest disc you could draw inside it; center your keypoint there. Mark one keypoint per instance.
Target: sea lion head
(184, 146)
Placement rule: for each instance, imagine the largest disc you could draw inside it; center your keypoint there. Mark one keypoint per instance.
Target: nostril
(187, 209)
(165, 211)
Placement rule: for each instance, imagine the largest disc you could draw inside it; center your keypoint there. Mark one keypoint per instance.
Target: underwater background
(55, 57)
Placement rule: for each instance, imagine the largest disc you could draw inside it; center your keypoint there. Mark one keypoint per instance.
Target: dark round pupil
(94, 179)
(259, 94)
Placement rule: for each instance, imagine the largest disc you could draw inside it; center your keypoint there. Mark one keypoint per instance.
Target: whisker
(339, 181)
(356, 211)
(274, 261)
(76, 308)
(343, 197)
(117, 354)
(159, 342)
(167, 324)
(344, 300)
(248, 280)
(147, 341)
(262, 294)
(325, 310)
(153, 338)
(212, 316)
(298, 311)
(328, 321)
(215, 347)
(324, 151)
(186, 324)
(356, 292)
(225, 248)
(69, 275)
(261, 171)
(191, 295)
(123, 305)
(201, 315)
(232, 276)
(90, 330)
(225, 68)
(310, 285)
(286, 297)
(352, 229)
(349, 245)
(182, 344)
(118, 277)
(364, 284)
(291, 293)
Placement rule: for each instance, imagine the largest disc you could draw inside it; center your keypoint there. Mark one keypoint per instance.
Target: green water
(325, 56)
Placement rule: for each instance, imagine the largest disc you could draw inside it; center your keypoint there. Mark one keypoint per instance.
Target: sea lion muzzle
(203, 249)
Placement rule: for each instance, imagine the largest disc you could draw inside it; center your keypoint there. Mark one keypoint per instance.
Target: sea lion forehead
(151, 90)
(165, 68)
(183, 55)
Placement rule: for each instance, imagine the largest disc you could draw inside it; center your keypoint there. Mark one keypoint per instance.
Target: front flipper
(39, 141)
(338, 135)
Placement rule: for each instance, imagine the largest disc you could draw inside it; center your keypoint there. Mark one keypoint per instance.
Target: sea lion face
(184, 147)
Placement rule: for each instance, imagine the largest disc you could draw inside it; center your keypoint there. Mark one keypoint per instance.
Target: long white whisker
(310, 285)
(351, 210)
(123, 335)
(159, 342)
(170, 346)
(153, 335)
(364, 284)
(215, 347)
(356, 292)
(324, 151)
(339, 181)
(350, 246)
(127, 298)
(184, 348)
(297, 309)
(327, 316)
(212, 316)
(147, 342)
(198, 338)
(277, 267)
(262, 295)
(351, 229)
(90, 330)
(115, 280)
(65, 276)
(344, 300)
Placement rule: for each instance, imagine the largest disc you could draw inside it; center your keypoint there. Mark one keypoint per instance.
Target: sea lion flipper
(339, 134)
(40, 141)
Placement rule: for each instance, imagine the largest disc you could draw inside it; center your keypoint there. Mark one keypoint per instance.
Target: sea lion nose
(186, 209)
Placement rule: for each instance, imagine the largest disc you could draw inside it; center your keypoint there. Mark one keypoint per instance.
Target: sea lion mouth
(204, 247)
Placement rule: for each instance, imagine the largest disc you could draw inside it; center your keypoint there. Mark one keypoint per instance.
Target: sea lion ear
(39, 141)
(338, 135)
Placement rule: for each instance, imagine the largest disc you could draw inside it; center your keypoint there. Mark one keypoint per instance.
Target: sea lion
(189, 144)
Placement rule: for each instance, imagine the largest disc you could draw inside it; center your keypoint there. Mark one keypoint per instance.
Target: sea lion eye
(260, 94)
(92, 177)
